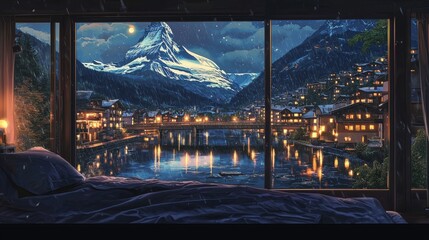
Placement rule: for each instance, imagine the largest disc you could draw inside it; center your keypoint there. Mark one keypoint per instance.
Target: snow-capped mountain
(157, 52)
(242, 79)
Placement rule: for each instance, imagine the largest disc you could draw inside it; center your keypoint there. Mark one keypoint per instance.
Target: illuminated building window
(331, 120)
(363, 127)
(315, 128)
(314, 120)
(368, 115)
(322, 128)
(346, 127)
(357, 127)
(314, 135)
(358, 116)
(351, 127)
(371, 127)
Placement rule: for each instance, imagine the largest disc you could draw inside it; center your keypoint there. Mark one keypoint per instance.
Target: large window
(32, 85)
(329, 104)
(185, 101)
(161, 100)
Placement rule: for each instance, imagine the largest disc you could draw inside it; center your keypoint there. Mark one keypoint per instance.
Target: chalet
(276, 113)
(357, 123)
(310, 122)
(368, 95)
(113, 114)
(89, 116)
(129, 118)
(325, 123)
(291, 115)
(153, 117)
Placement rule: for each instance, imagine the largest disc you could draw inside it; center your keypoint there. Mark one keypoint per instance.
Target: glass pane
(32, 85)
(418, 140)
(161, 100)
(329, 104)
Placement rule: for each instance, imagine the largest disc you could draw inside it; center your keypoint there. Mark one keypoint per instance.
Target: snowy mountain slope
(157, 52)
(242, 79)
(325, 51)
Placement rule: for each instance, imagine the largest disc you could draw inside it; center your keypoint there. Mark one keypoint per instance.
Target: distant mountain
(159, 56)
(326, 51)
(155, 92)
(242, 79)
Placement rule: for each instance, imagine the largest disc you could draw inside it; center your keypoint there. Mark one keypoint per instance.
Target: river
(222, 156)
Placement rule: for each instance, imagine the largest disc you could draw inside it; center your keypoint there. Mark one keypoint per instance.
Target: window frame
(394, 197)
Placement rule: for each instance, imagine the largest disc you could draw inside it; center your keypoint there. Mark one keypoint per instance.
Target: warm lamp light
(3, 126)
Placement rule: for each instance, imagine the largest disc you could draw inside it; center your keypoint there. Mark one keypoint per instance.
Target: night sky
(234, 46)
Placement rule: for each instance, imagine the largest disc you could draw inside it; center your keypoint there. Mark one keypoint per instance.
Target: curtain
(423, 37)
(7, 60)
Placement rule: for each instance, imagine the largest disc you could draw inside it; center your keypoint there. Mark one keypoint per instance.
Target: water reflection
(233, 157)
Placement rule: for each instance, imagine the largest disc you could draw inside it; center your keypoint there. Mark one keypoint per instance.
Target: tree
(374, 176)
(32, 102)
(376, 36)
(418, 160)
(299, 134)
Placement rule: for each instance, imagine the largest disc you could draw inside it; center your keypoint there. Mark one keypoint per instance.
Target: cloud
(255, 40)
(91, 48)
(42, 36)
(286, 37)
(239, 29)
(251, 60)
(202, 51)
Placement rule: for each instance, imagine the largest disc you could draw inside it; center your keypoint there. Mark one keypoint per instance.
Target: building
(89, 118)
(113, 110)
(359, 122)
(129, 118)
(291, 115)
(368, 95)
(323, 128)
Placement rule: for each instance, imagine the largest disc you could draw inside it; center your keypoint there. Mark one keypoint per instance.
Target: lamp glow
(3, 124)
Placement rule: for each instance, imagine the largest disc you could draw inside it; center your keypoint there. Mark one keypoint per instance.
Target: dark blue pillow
(39, 171)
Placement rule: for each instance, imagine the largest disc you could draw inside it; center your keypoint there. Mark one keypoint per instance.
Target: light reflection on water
(238, 158)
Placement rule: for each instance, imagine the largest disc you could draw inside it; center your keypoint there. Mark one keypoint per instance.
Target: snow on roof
(294, 109)
(83, 95)
(325, 109)
(128, 114)
(309, 114)
(108, 103)
(371, 89)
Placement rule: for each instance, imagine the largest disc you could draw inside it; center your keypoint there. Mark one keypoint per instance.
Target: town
(342, 109)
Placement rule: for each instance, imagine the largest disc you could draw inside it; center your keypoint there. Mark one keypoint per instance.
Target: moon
(131, 29)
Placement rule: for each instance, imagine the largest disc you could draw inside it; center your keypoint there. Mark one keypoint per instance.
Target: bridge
(211, 125)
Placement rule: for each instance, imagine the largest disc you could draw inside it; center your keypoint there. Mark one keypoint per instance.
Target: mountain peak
(157, 54)
(157, 39)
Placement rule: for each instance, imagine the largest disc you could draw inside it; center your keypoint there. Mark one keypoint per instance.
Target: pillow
(39, 171)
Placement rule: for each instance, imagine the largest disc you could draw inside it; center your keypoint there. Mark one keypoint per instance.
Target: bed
(38, 186)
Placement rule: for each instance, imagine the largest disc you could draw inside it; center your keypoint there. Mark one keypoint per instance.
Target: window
(371, 127)
(32, 85)
(183, 127)
(290, 75)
